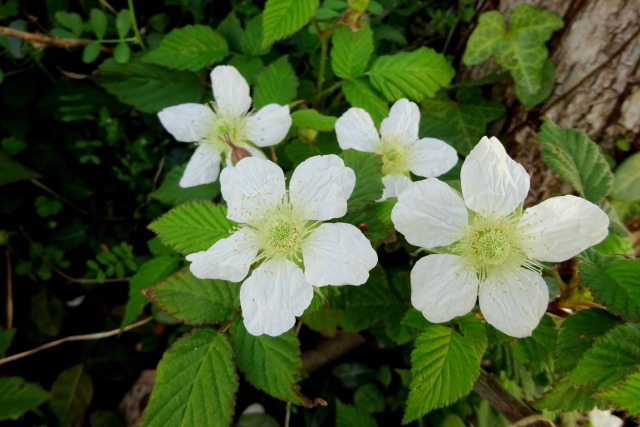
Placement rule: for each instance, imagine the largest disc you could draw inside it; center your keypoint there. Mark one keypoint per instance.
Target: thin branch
(9, 291)
(41, 39)
(85, 337)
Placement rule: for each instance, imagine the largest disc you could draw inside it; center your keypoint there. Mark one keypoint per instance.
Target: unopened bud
(307, 135)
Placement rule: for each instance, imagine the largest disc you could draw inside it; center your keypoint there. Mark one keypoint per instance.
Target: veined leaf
(625, 395)
(193, 227)
(194, 300)
(191, 47)
(367, 303)
(414, 75)
(360, 94)
(170, 192)
(537, 350)
(444, 367)
(350, 416)
(626, 183)
(311, 119)
(271, 364)
(277, 84)
(485, 39)
(148, 87)
(547, 81)
(577, 159)
(473, 331)
(351, 51)
(71, 393)
(282, 18)
(566, 396)
(196, 383)
(18, 396)
(368, 170)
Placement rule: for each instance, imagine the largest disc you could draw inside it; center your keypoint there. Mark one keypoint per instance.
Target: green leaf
(282, 18)
(485, 39)
(170, 192)
(444, 367)
(367, 303)
(473, 330)
(577, 159)
(360, 94)
(615, 285)
(537, 350)
(414, 75)
(149, 88)
(625, 395)
(368, 170)
(566, 396)
(91, 52)
(461, 123)
(369, 398)
(6, 338)
(18, 396)
(271, 364)
(325, 321)
(191, 47)
(611, 358)
(193, 227)
(12, 171)
(350, 416)
(123, 23)
(311, 119)
(149, 273)
(47, 312)
(71, 393)
(98, 23)
(277, 84)
(122, 53)
(196, 383)
(577, 335)
(351, 51)
(194, 300)
(252, 41)
(72, 21)
(626, 179)
(548, 80)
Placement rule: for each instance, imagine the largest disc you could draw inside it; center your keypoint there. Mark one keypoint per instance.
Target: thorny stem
(85, 337)
(9, 291)
(134, 24)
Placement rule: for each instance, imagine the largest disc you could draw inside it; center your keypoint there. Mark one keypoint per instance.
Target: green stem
(134, 24)
(561, 285)
(453, 27)
(324, 49)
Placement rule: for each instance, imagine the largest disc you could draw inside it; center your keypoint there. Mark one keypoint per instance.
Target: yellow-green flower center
(395, 158)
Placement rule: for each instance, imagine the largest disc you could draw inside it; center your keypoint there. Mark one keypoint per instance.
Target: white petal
(320, 187)
(228, 259)
(492, 183)
(272, 297)
(394, 185)
(187, 122)
(268, 126)
(430, 214)
(230, 90)
(402, 123)
(251, 188)
(443, 288)
(356, 130)
(337, 254)
(514, 304)
(560, 228)
(203, 167)
(432, 157)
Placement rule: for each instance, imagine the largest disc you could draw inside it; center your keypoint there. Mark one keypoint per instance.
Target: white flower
(398, 145)
(228, 124)
(282, 229)
(493, 246)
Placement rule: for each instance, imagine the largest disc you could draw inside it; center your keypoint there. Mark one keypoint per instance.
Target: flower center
(493, 247)
(226, 128)
(395, 158)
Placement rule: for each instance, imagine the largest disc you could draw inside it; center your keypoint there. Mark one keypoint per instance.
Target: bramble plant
(339, 243)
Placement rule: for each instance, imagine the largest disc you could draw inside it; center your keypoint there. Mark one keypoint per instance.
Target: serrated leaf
(277, 84)
(271, 364)
(71, 393)
(474, 331)
(368, 170)
(324, 321)
(191, 47)
(461, 123)
(350, 416)
(537, 350)
(231, 29)
(252, 41)
(444, 367)
(577, 159)
(485, 39)
(149, 273)
(282, 18)
(626, 183)
(148, 87)
(577, 335)
(18, 396)
(547, 81)
(311, 119)
(414, 75)
(351, 51)
(196, 383)
(360, 94)
(367, 303)
(98, 23)
(611, 358)
(170, 192)
(625, 395)
(615, 285)
(566, 396)
(193, 227)
(194, 300)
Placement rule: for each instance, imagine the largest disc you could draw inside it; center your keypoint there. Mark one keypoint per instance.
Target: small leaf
(191, 47)
(351, 51)
(282, 18)
(271, 364)
(47, 312)
(6, 338)
(369, 398)
(537, 350)
(194, 300)
(360, 94)
(485, 39)
(12, 171)
(577, 159)
(196, 383)
(625, 395)
(91, 52)
(170, 192)
(71, 393)
(414, 75)
(368, 170)
(123, 23)
(98, 23)
(122, 53)
(350, 416)
(311, 119)
(18, 396)
(277, 84)
(626, 183)
(193, 227)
